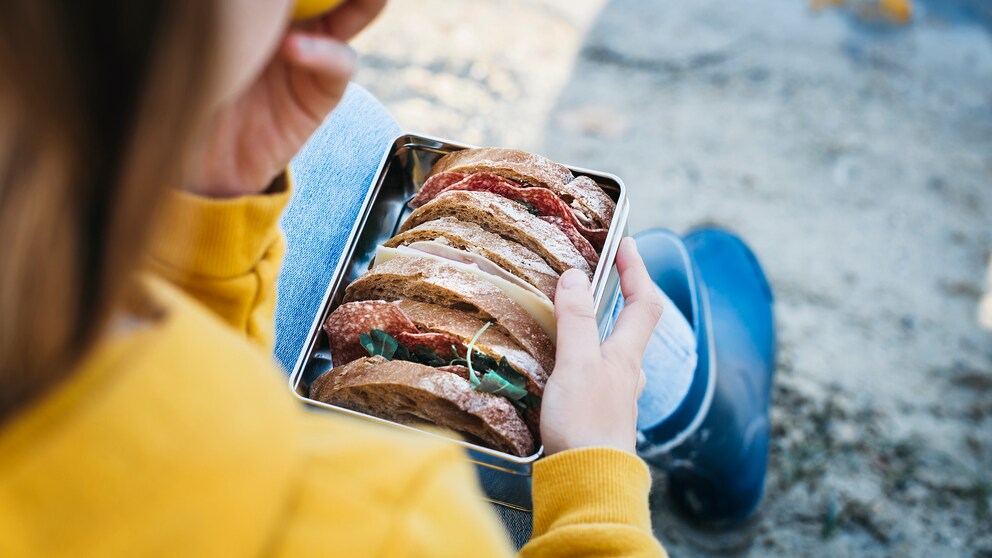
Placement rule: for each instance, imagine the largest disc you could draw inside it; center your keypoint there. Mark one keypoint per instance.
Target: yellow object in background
(306, 9)
(895, 11)
(899, 11)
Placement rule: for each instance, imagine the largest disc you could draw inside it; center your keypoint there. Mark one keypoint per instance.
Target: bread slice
(437, 282)
(517, 165)
(433, 318)
(508, 219)
(507, 254)
(586, 198)
(581, 194)
(411, 393)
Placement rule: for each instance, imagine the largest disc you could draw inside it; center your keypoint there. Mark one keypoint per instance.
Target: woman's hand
(591, 398)
(252, 138)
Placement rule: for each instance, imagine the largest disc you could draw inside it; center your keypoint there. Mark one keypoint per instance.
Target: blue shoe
(717, 475)
(688, 393)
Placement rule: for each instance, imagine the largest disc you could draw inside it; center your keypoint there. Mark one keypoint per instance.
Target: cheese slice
(531, 300)
(449, 252)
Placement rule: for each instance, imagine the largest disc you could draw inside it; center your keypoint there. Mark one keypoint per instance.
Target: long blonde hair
(98, 108)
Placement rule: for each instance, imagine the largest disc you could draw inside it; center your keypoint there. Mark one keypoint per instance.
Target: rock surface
(855, 157)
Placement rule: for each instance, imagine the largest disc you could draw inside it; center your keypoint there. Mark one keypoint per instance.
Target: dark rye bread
(470, 237)
(430, 317)
(506, 218)
(582, 194)
(519, 166)
(412, 393)
(436, 282)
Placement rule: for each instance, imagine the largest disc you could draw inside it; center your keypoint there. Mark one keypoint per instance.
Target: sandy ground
(856, 158)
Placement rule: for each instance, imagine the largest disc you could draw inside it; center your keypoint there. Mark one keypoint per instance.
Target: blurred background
(849, 142)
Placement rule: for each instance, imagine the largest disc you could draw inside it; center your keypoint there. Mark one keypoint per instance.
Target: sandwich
(440, 283)
(411, 393)
(453, 324)
(512, 221)
(470, 243)
(451, 357)
(586, 200)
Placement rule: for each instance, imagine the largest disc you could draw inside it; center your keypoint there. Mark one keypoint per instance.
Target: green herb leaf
(530, 401)
(512, 388)
(503, 379)
(528, 207)
(473, 380)
(427, 356)
(379, 343)
(485, 373)
(402, 353)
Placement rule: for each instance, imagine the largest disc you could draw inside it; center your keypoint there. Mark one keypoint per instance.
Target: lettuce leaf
(379, 343)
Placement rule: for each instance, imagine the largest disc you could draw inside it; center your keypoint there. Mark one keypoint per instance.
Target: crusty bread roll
(507, 254)
(508, 219)
(412, 393)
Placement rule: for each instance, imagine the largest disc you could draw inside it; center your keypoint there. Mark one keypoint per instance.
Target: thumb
(578, 337)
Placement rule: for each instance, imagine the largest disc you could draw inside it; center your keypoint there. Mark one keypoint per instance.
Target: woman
(141, 413)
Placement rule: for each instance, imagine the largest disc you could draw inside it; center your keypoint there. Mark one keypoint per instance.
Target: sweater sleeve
(591, 502)
(445, 518)
(226, 254)
(587, 502)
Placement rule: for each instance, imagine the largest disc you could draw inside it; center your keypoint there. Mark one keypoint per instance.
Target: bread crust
(508, 219)
(507, 254)
(582, 193)
(590, 199)
(521, 166)
(411, 393)
(436, 282)
(431, 317)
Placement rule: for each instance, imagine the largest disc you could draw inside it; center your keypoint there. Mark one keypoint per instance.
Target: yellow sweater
(180, 438)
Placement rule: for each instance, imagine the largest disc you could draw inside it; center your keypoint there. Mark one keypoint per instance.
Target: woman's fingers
(325, 65)
(345, 21)
(326, 57)
(642, 305)
(578, 335)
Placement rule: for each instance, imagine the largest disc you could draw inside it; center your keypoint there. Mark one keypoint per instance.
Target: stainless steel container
(505, 478)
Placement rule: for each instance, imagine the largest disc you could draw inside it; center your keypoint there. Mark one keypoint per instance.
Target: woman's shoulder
(366, 488)
(177, 413)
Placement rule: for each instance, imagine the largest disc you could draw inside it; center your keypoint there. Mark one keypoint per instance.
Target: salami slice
(440, 343)
(351, 320)
(542, 201)
(596, 237)
(434, 186)
(457, 369)
(579, 241)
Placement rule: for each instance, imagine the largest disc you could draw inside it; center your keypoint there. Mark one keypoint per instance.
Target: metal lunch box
(505, 478)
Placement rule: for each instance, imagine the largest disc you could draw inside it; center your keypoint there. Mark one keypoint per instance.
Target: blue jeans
(332, 175)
